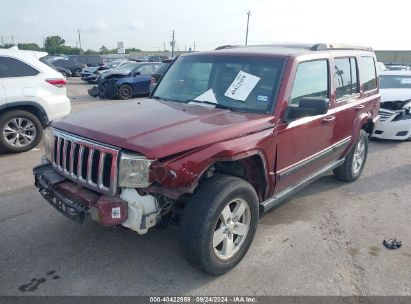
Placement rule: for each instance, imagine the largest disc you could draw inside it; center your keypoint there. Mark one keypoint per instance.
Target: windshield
(395, 82)
(242, 83)
(126, 67)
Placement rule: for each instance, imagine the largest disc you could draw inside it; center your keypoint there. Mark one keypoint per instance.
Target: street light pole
(246, 32)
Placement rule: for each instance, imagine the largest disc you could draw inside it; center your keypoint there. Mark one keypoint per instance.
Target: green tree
(132, 50)
(29, 46)
(54, 44)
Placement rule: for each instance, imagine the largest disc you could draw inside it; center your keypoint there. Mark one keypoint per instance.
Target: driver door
(305, 144)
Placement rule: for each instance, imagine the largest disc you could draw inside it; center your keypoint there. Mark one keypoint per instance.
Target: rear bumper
(57, 106)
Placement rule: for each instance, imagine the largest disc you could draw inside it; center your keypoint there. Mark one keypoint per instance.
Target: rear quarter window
(11, 67)
(368, 75)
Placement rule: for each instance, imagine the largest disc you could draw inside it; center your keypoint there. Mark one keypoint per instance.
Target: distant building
(394, 57)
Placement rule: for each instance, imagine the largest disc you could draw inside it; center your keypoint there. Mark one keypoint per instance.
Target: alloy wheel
(358, 158)
(19, 132)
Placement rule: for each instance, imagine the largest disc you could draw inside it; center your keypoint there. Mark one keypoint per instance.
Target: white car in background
(395, 116)
(32, 93)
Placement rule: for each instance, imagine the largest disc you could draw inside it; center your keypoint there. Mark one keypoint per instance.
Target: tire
(125, 92)
(23, 140)
(203, 219)
(77, 73)
(351, 169)
(64, 74)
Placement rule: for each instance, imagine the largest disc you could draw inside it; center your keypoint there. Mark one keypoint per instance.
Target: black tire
(5, 118)
(64, 74)
(201, 217)
(77, 72)
(346, 172)
(125, 92)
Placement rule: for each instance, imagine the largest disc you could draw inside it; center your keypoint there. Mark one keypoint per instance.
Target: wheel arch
(31, 107)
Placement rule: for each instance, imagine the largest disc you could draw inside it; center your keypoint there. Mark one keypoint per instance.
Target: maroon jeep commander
(225, 136)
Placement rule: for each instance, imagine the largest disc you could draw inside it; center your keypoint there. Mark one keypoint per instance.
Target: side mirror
(307, 106)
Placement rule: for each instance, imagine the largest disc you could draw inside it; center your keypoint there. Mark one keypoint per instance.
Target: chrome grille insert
(385, 114)
(85, 162)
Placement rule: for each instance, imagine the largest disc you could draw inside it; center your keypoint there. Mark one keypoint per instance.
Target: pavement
(325, 240)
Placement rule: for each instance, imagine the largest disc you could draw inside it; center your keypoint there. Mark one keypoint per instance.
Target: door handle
(360, 107)
(328, 119)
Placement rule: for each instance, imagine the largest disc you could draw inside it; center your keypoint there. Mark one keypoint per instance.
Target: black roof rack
(307, 46)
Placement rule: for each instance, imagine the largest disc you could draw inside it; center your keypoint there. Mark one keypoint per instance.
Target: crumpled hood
(395, 94)
(158, 128)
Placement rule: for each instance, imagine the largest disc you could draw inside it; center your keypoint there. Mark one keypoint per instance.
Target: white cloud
(98, 26)
(28, 19)
(136, 26)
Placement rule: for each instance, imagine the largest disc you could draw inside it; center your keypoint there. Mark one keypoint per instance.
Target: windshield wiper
(217, 105)
(159, 98)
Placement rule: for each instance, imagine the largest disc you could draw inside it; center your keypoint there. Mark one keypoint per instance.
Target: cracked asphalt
(326, 240)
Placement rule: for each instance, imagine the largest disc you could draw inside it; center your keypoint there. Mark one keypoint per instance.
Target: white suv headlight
(48, 144)
(134, 171)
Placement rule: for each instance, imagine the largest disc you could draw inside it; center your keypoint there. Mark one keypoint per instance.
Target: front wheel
(125, 92)
(354, 162)
(219, 224)
(77, 72)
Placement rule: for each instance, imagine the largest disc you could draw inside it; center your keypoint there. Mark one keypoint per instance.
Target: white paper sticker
(406, 81)
(207, 96)
(115, 213)
(242, 86)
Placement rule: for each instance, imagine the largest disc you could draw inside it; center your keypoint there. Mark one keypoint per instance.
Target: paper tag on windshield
(207, 96)
(242, 86)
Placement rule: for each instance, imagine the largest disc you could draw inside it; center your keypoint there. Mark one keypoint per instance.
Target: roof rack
(307, 46)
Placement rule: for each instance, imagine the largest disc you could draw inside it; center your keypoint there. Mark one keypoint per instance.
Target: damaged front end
(86, 180)
(395, 120)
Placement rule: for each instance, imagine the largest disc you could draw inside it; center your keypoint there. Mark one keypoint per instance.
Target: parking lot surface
(326, 240)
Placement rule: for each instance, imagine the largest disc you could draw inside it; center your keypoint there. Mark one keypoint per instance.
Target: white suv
(32, 93)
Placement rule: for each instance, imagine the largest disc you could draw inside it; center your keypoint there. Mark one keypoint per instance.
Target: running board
(280, 197)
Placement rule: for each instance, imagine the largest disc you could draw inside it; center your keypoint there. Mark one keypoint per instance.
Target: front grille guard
(85, 162)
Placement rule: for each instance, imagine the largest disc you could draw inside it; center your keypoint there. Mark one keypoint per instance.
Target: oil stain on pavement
(35, 283)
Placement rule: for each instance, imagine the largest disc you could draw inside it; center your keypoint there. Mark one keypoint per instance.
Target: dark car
(154, 58)
(130, 79)
(89, 74)
(65, 72)
(226, 136)
(76, 63)
(162, 69)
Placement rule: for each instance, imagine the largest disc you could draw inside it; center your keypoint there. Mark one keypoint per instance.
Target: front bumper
(76, 202)
(394, 130)
(46, 179)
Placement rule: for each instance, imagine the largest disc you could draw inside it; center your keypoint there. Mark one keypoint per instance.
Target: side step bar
(280, 197)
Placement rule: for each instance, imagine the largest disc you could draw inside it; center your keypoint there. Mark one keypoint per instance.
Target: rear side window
(10, 67)
(345, 77)
(311, 80)
(368, 75)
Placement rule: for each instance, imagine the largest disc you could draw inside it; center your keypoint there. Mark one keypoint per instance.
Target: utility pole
(12, 39)
(172, 46)
(79, 39)
(2, 40)
(246, 32)
(164, 46)
(194, 48)
(44, 44)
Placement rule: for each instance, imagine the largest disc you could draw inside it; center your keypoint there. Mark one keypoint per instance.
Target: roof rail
(308, 46)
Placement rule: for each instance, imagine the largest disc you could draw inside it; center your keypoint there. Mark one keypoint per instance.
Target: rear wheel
(64, 74)
(219, 224)
(354, 162)
(125, 92)
(20, 131)
(77, 72)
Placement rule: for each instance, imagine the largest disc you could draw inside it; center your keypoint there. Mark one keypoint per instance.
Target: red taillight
(58, 82)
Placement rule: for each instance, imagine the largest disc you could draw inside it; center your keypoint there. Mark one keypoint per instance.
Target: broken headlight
(134, 171)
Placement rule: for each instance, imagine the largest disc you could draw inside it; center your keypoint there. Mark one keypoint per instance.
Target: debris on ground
(392, 244)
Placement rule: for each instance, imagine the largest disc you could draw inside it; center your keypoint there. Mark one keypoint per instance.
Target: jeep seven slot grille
(90, 164)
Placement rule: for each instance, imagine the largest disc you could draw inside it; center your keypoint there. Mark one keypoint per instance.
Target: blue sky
(149, 24)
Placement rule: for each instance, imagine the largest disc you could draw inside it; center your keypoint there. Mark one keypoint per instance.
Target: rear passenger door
(347, 95)
(305, 145)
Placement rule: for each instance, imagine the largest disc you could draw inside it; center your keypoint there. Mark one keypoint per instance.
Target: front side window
(395, 82)
(311, 80)
(345, 77)
(246, 83)
(145, 70)
(10, 67)
(368, 75)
